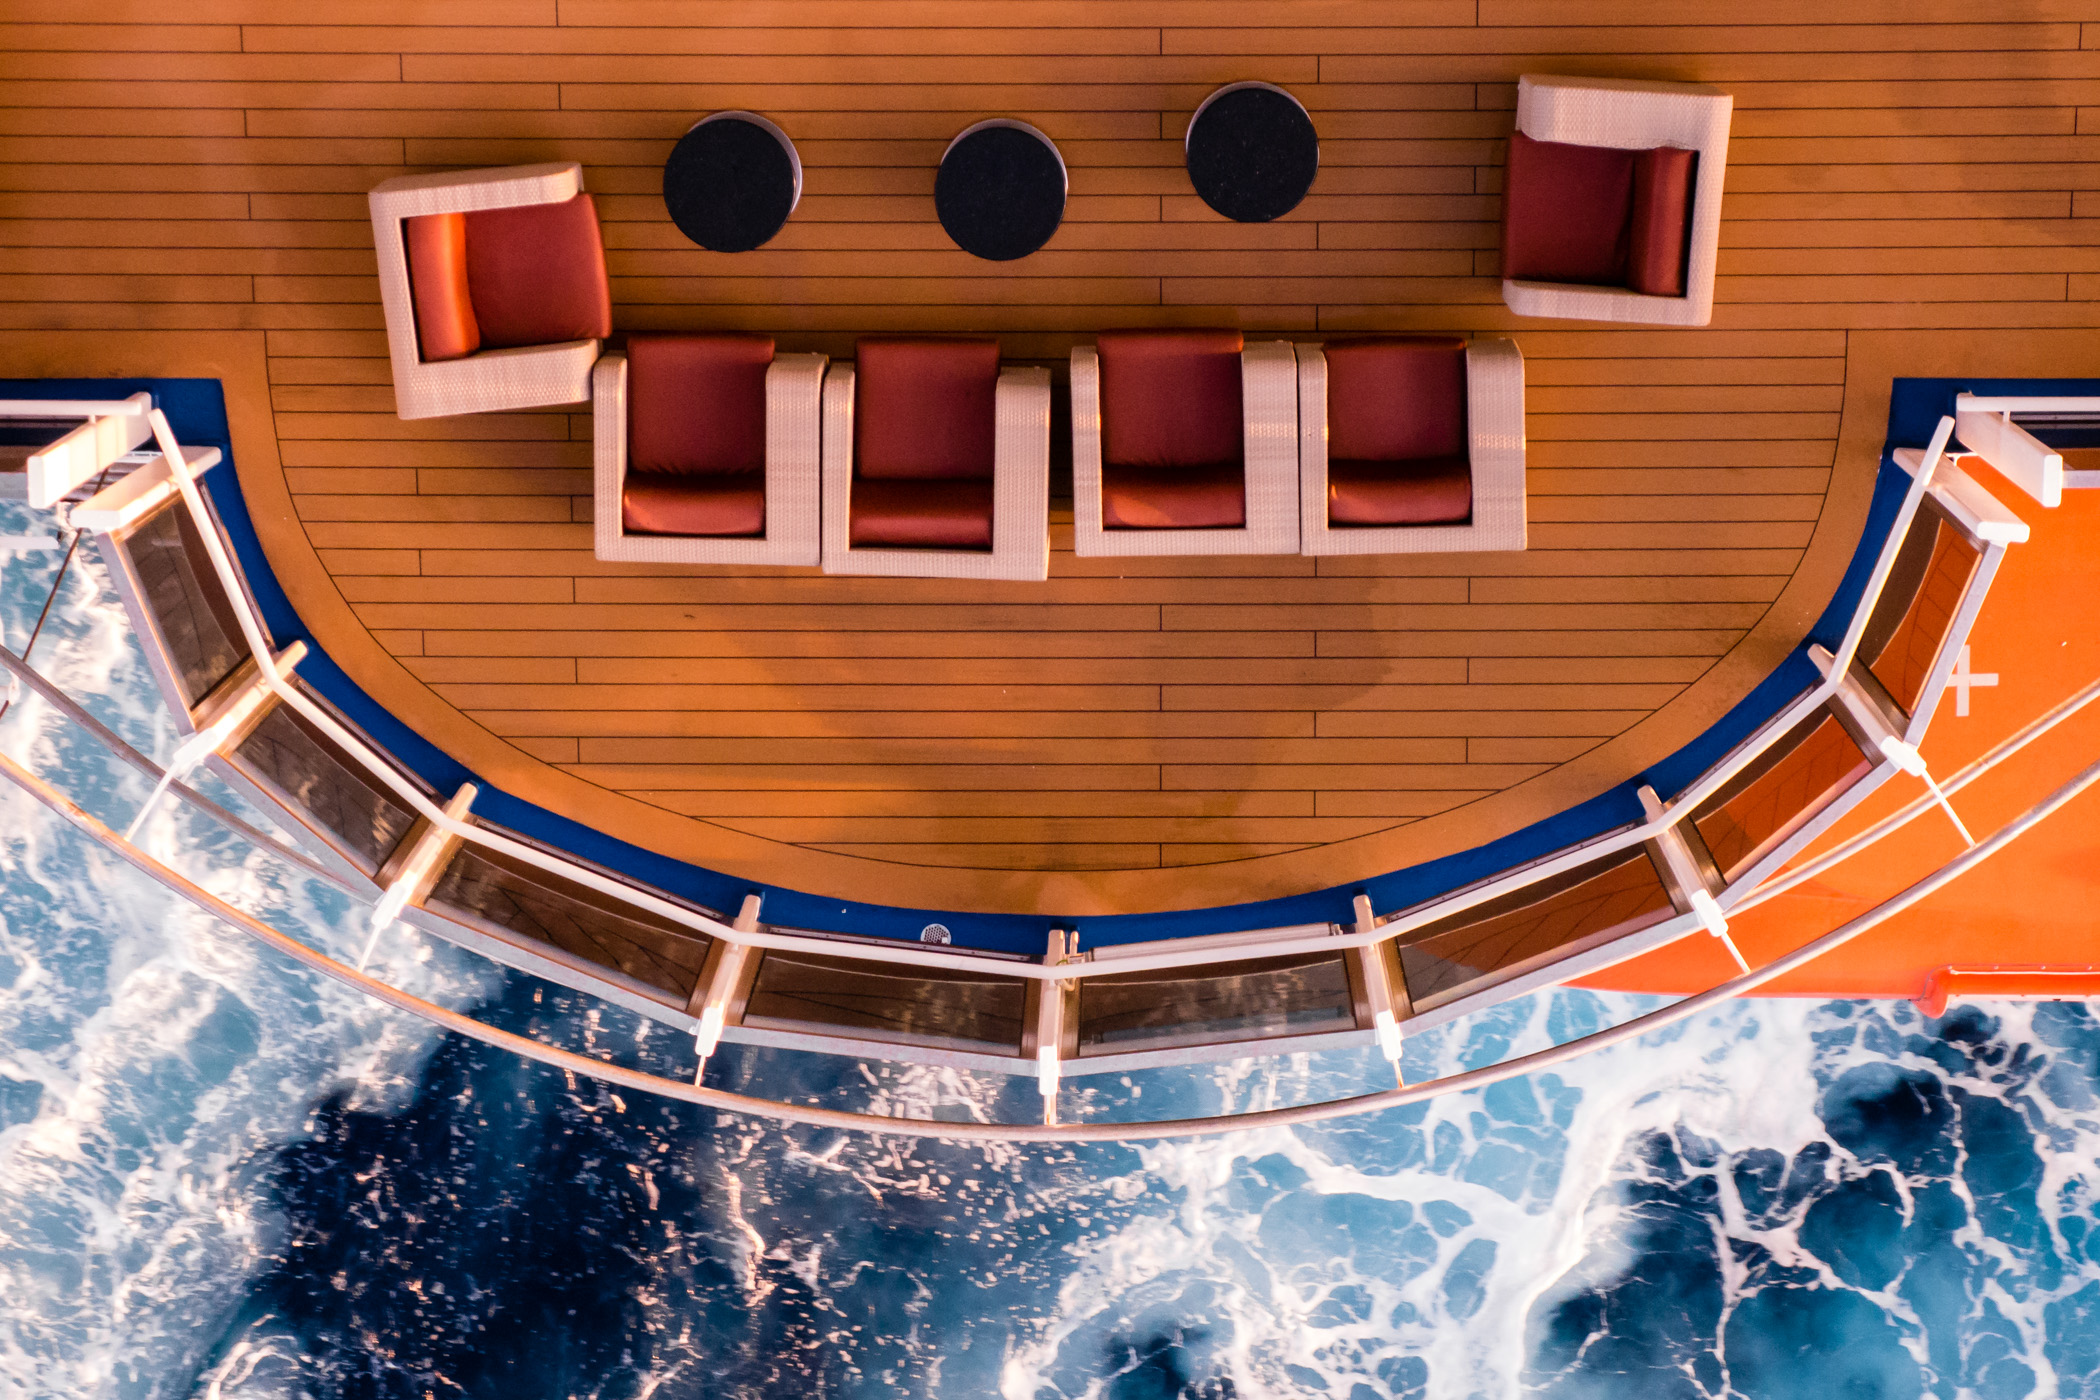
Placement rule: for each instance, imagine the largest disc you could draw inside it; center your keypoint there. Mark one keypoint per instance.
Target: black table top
(729, 185)
(1000, 193)
(1252, 154)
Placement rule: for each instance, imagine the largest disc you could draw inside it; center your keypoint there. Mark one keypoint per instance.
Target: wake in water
(222, 1178)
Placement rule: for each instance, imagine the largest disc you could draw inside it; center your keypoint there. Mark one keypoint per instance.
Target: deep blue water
(222, 1178)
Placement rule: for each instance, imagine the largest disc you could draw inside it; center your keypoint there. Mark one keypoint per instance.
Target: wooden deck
(1135, 733)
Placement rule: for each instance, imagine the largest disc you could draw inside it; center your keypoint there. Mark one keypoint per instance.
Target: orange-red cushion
(663, 504)
(924, 409)
(1565, 210)
(922, 513)
(1661, 222)
(437, 284)
(1171, 398)
(1391, 398)
(1425, 491)
(697, 403)
(1174, 498)
(537, 274)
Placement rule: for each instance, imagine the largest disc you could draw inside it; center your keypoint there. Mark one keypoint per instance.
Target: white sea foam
(1548, 1199)
(165, 1055)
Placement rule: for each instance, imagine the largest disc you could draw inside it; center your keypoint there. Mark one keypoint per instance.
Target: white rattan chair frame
(1020, 488)
(487, 381)
(1494, 445)
(1631, 115)
(1269, 414)
(794, 387)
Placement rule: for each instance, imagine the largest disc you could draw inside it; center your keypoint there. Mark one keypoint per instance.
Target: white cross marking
(1963, 678)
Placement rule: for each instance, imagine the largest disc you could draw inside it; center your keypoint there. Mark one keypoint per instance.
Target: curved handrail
(640, 1080)
(697, 999)
(1668, 813)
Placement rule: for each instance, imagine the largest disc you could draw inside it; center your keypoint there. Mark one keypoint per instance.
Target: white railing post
(1050, 1022)
(417, 869)
(1890, 744)
(718, 983)
(228, 719)
(1689, 877)
(1389, 1000)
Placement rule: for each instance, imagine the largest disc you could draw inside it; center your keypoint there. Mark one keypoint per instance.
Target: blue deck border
(196, 410)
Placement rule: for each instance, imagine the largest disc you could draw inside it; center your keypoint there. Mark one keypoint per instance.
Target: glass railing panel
(306, 770)
(484, 886)
(1917, 606)
(1779, 792)
(888, 1001)
(1498, 938)
(198, 627)
(1256, 999)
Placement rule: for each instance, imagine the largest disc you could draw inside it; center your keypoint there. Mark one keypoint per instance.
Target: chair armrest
(1269, 424)
(1495, 439)
(838, 459)
(608, 450)
(1021, 468)
(1086, 438)
(1625, 114)
(794, 406)
(464, 191)
(794, 438)
(1312, 440)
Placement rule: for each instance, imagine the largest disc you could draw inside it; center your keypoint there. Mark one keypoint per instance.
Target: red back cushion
(1565, 211)
(1661, 222)
(924, 409)
(1171, 398)
(1396, 398)
(537, 274)
(437, 284)
(696, 404)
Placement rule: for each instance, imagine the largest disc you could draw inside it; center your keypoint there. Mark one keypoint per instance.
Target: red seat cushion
(924, 409)
(1171, 398)
(1391, 398)
(697, 403)
(922, 513)
(437, 283)
(1661, 222)
(664, 504)
(1565, 211)
(1174, 498)
(537, 274)
(1425, 491)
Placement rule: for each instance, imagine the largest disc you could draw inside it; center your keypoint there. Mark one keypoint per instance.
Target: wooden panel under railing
(1134, 733)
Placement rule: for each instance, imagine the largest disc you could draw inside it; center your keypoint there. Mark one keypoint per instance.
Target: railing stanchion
(1388, 995)
(718, 983)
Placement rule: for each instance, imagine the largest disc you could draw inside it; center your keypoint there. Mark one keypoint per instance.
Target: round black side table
(1252, 152)
(732, 181)
(1001, 190)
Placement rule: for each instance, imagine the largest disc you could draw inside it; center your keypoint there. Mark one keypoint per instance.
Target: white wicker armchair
(1020, 489)
(1269, 421)
(488, 380)
(1495, 451)
(1629, 115)
(794, 386)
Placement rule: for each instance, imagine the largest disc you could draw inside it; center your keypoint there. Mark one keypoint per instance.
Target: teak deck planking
(198, 165)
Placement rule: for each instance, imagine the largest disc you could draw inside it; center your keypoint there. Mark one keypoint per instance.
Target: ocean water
(222, 1177)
